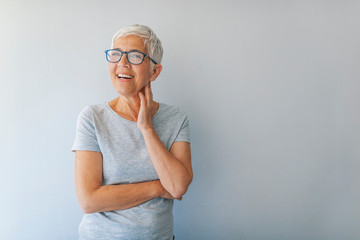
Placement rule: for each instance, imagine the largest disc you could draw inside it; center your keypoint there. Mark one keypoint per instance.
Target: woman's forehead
(129, 43)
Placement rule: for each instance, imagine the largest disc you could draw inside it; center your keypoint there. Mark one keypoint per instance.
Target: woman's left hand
(148, 109)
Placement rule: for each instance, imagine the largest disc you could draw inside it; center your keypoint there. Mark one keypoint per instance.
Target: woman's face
(129, 79)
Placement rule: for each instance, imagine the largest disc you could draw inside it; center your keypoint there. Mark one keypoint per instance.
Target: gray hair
(151, 41)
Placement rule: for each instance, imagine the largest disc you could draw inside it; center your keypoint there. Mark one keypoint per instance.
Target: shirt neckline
(127, 120)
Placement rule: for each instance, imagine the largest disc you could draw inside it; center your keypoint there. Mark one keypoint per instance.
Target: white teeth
(124, 76)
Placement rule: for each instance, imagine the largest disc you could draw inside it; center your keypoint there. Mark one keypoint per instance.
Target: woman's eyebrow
(133, 49)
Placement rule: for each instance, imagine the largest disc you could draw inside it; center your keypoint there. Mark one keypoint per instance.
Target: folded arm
(95, 197)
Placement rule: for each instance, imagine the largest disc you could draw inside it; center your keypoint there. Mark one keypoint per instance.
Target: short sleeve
(184, 132)
(85, 138)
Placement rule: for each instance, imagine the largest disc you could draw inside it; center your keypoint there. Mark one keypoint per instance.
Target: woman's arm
(94, 197)
(173, 167)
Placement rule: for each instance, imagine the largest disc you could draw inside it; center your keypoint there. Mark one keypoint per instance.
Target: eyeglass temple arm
(151, 59)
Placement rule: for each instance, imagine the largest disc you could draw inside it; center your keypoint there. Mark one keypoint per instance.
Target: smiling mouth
(124, 76)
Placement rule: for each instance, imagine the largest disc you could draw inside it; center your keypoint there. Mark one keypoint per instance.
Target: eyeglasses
(133, 57)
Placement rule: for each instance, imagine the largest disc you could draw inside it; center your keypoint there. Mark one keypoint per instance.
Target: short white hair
(151, 41)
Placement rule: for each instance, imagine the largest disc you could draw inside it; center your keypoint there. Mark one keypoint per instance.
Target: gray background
(271, 87)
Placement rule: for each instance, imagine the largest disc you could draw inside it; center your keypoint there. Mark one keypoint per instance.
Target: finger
(147, 98)
(151, 90)
(142, 99)
(148, 94)
(143, 90)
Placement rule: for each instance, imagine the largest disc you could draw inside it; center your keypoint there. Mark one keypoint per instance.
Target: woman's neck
(127, 108)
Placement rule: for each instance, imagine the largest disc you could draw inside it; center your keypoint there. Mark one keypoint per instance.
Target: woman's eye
(136, 56)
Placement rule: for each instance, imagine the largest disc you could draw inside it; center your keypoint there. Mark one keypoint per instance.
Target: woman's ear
(155, 72)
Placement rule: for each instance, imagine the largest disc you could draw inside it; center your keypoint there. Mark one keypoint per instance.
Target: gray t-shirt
(126, 160)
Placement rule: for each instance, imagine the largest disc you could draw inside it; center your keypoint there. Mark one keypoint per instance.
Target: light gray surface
(271, 88)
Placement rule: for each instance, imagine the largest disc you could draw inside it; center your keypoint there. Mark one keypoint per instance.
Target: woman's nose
(123, 61)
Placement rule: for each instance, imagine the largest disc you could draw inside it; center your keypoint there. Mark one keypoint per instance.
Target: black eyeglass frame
(127, 56)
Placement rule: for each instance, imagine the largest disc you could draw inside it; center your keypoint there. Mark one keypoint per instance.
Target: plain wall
(271, 88)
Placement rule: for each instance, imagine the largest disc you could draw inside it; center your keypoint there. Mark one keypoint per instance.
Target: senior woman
(132, 153)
